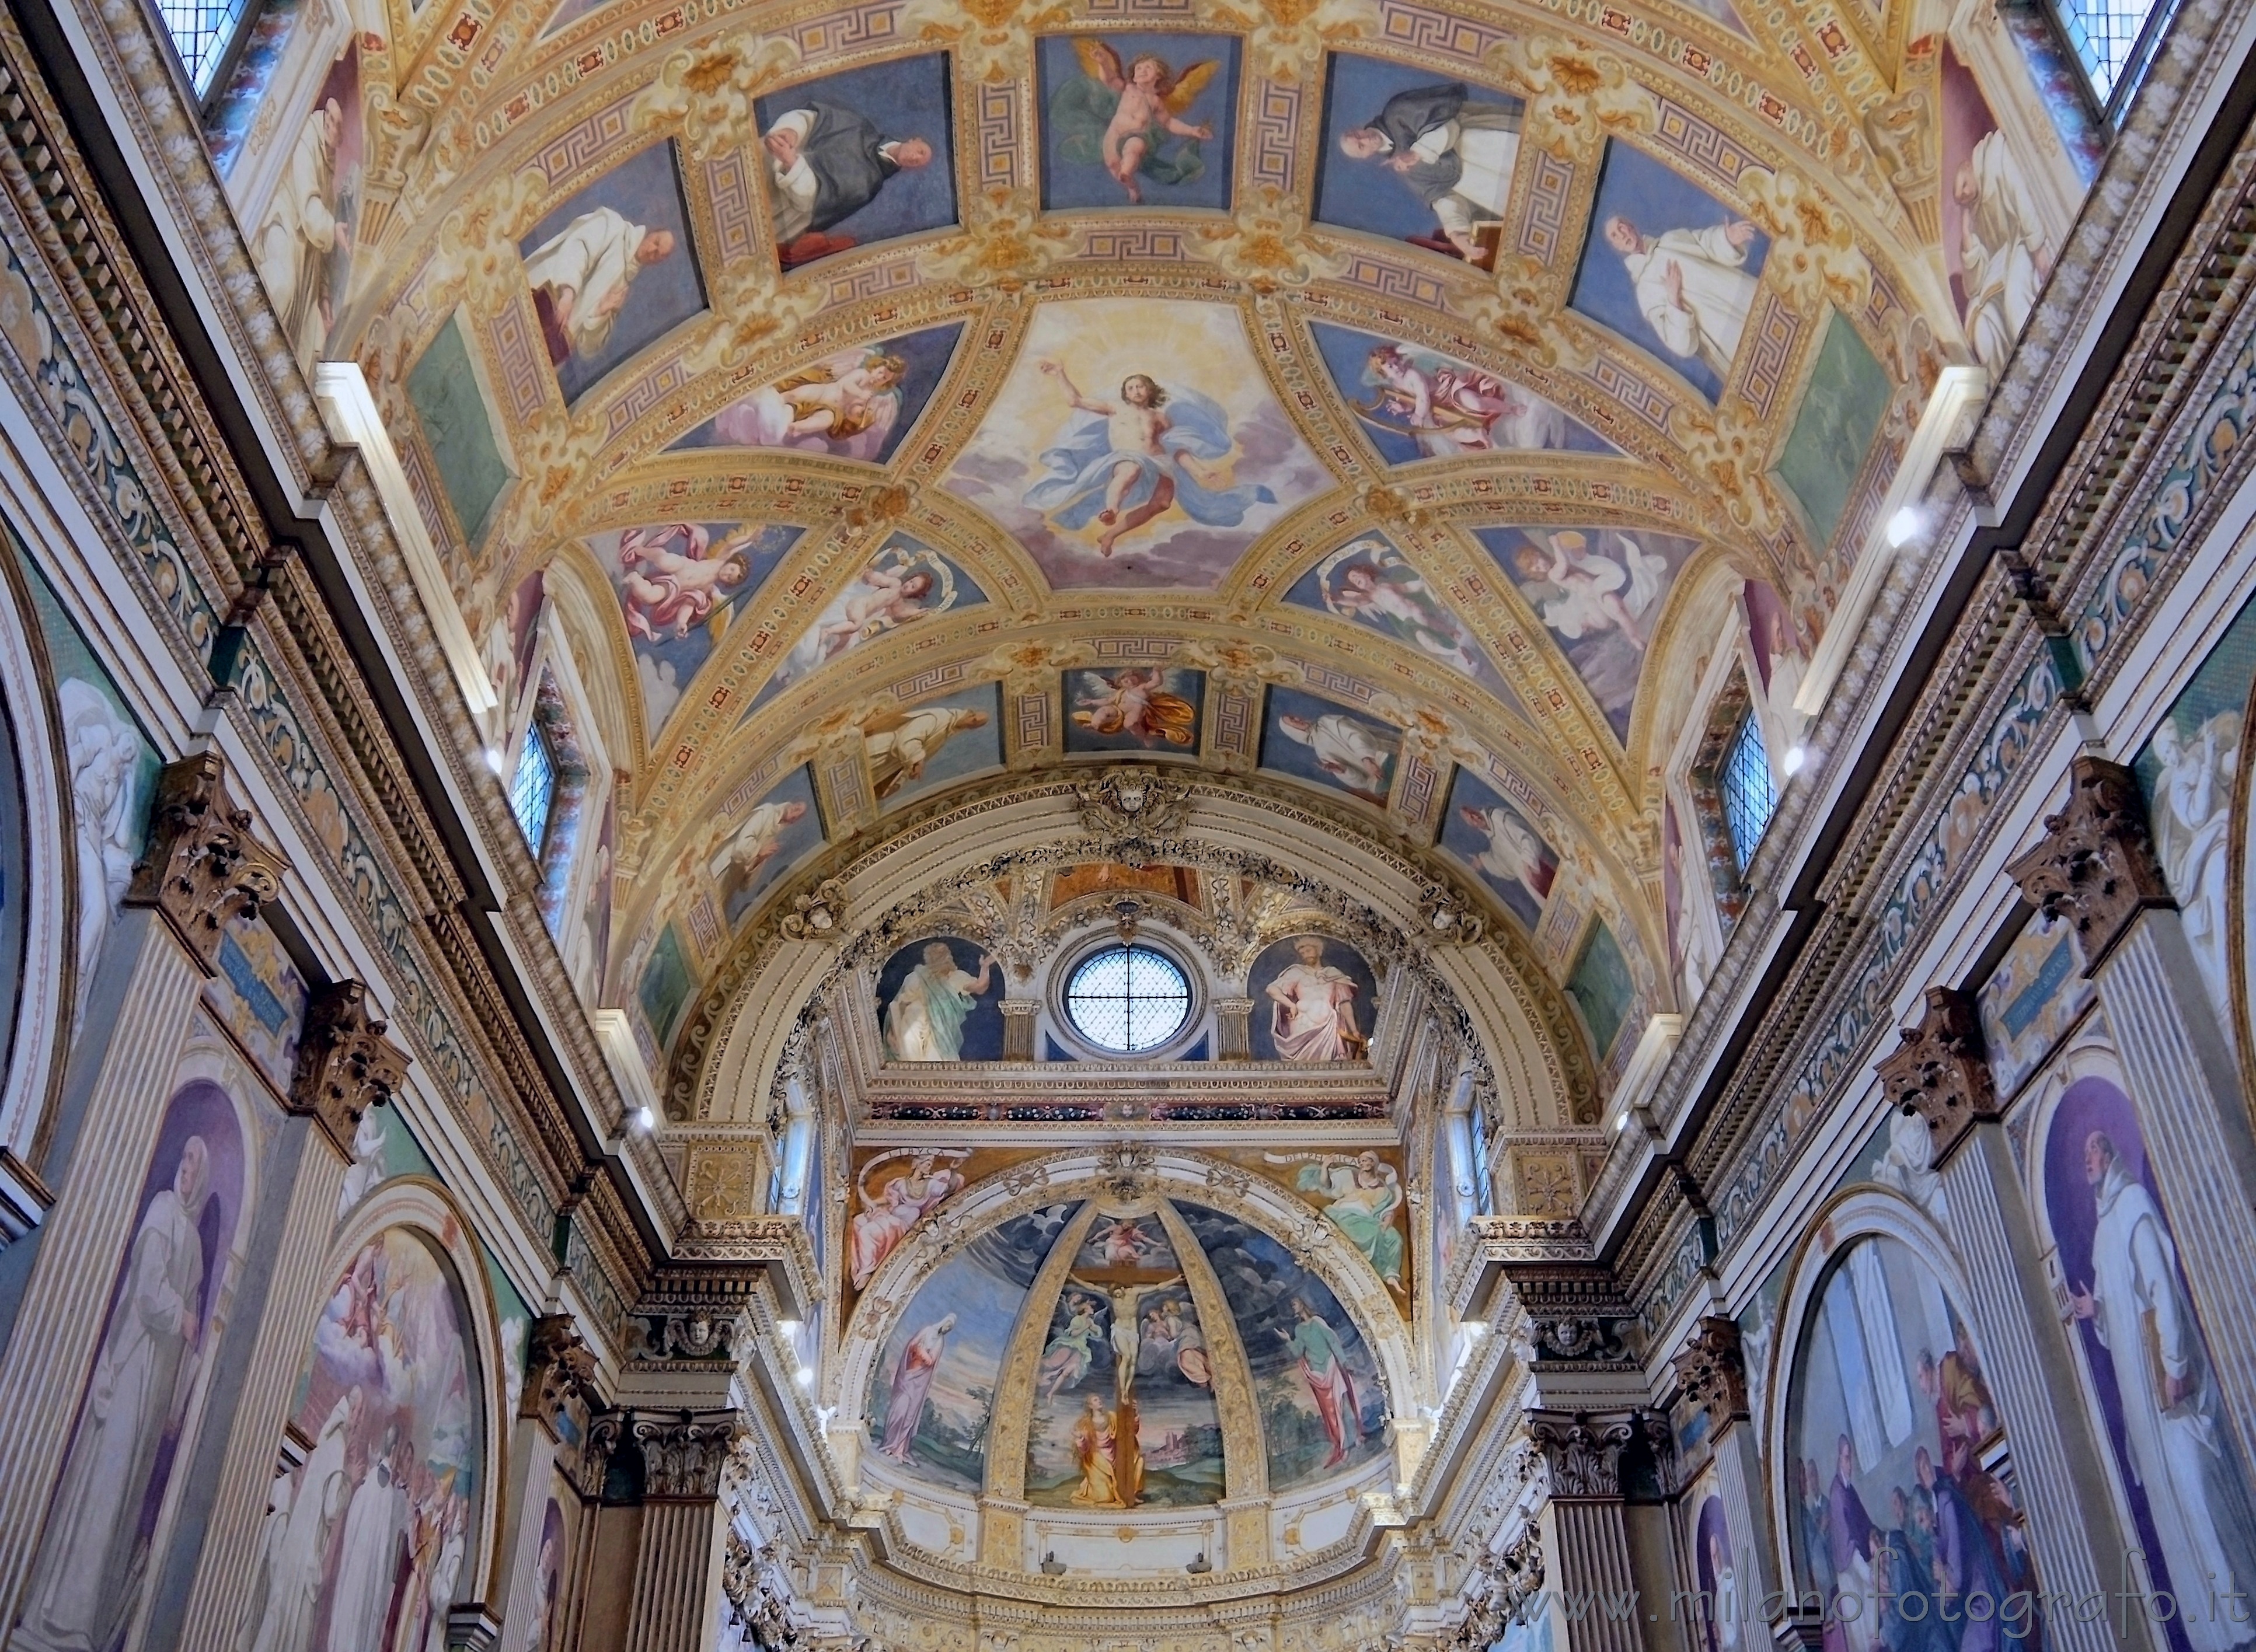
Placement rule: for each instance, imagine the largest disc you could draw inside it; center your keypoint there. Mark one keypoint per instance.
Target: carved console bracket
(1567, 1312)
(1497, 1594)
(202, 868)
(694, 1314)
(1941, 1072)
(2096, 866)
(345, 1064)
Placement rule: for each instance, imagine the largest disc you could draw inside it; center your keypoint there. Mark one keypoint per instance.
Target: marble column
(554, 1411)
(1710, 1378)
(346, 1064)
(1940, 1072)
(677, 1595)
(201, 868)
(2096, 867)
(1590, 1580)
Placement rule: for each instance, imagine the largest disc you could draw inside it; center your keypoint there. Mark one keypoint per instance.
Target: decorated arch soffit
(817, 472)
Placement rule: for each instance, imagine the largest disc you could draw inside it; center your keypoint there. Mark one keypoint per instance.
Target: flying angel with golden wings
(1121, 119)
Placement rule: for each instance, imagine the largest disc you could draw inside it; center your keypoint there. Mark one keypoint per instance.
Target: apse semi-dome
(1108, 1355)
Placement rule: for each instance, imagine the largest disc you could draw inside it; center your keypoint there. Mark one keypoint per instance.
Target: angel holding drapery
(1123, 118)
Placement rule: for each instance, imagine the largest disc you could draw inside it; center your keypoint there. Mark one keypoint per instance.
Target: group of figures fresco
(1899, 1503)
(1120, 1408)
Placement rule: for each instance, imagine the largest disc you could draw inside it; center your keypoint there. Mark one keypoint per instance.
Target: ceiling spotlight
(1474, 1327)
(1904, 526)
(1622, 1122)
(806, 1376)
(1796, 756)
(645, 1119)
(789, 1327)
(493, 758)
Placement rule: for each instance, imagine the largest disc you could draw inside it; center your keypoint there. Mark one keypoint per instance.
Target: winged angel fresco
(1122, 119)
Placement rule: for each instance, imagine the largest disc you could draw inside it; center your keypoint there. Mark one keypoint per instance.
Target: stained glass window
(1749, 793)
(533, 792)
(2105, 36)
(1128, 998)
(201, 32)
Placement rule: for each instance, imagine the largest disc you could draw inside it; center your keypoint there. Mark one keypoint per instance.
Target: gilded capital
(202, 868)
(345, 1064)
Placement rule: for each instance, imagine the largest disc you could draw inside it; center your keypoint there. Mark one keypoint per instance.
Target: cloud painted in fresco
(875, 394)
(1466, 409)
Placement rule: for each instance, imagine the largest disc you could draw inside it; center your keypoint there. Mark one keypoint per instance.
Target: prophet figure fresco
(1448, 148)
(1311, 1003)
(931, 1007)
(856, 158)
(1361, 1196)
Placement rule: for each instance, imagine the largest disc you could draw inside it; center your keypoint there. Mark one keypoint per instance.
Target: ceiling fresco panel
(1370, 583)
(1417, 156)
(1599, 593)
(1313, 739)
(1136, 442)
(1152, 709)
(1412, 403)
(1138, 119)
(861, 157)
(907, 581)
(612, 268)
(783, 828)
(1668, 267)
(1492, 840)
(679, 586)
(859, 403)
(925, 747)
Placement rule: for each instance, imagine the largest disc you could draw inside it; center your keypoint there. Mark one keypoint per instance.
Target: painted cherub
(666, 591)
(1150, 102)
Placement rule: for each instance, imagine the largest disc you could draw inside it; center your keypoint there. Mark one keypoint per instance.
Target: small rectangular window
(533, 791)
(1749, 793)
(202, 31)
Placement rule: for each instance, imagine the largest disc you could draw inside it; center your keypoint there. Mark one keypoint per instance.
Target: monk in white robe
(2000, 251)
(1346, 751)
(580, 278)
(301, 231)
(2179, 1447)
(79, 1596)
(1692, 286)
(281, 1617)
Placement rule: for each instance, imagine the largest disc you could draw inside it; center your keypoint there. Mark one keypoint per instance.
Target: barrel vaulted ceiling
(1436, 547)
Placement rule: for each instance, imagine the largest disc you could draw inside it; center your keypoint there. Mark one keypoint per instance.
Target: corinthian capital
(1711, 1373)
(682, 1457)
(2096, 866)
(1941, 1072)
(345, 1064)
(202, 866)
(1581, 1454)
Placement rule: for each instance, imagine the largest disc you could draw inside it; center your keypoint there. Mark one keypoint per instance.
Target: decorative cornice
(1567, 1312)
(694, 1314)
(1941, 1072)
(202, 869)
(345, 1064)
(2096, 865)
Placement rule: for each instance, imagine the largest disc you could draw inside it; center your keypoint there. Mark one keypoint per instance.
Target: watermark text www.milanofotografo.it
(2016, 1613)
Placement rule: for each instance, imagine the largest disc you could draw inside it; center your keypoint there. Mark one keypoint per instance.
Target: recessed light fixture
(1904, 526)
(645, 1121)
(493, 758)
(1796, 756)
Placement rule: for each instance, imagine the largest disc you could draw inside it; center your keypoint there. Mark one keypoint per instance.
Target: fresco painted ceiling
(1394, 406)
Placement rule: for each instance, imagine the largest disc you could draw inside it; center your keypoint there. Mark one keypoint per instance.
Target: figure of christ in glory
(1125, 462)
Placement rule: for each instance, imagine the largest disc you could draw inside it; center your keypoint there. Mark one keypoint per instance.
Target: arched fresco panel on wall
(371, 1525)
(161, 1329)
(1315, 999)
(2144, 1361)
(1899, 1481)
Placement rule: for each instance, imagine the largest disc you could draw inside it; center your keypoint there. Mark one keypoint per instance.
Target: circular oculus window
(1128, 998)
